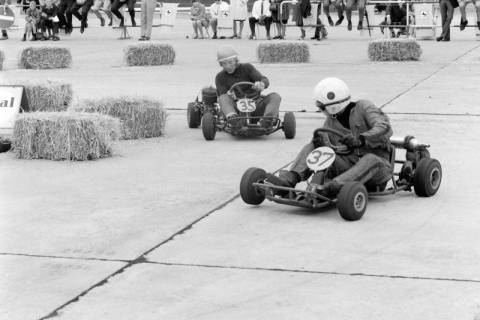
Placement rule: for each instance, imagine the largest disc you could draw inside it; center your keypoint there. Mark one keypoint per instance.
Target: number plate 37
(320, 158)
(246, 105)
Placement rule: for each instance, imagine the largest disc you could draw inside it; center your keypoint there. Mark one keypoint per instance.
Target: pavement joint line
(429, 76)
(61, 257)
(353, 274)
(141, 258)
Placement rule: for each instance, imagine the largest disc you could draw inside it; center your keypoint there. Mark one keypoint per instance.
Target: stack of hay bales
(64, 135)
(45, 58)
(283, 52)
(394, 50)
(139, 117)
(47, 95)
(150, 54)
(2, 57)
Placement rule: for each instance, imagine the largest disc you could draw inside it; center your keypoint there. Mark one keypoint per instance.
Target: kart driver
(234, 72)
(366, 131)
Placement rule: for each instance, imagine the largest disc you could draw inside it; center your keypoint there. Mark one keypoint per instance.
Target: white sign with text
(10, 99)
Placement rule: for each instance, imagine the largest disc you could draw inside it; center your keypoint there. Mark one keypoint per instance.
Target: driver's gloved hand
(352, 142)
(259, 85)
(318, 139)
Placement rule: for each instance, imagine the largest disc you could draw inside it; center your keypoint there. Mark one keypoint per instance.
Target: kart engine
(209, 95)
(408, 142)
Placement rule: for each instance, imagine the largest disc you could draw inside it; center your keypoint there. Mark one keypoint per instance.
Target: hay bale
(394, 50)
(283, 52)
(139, 117)
(150, 54)
(64, 135)
(47, 95)
(45, 58)
(2, 57)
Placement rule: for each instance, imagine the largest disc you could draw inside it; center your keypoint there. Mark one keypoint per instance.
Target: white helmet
(332, 95)
(226, 53)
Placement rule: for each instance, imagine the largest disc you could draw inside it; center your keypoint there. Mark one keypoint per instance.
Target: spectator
(3, 7)
(239, 12)
(395, 15)
(339, 7)
(105, 6)
(446, 10)
(217, 8)
(463, 13)
(49, 20)
(280, 17)
(199, 18)
(85, 5)
(361, 13)
(303, 10)
(148, 9)
(65, 14)
(262, 15)
(32, 18)
(320, 30)
(117, 4)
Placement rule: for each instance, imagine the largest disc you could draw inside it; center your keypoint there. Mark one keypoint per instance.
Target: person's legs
(272, 104)
(227, 105)
(239, 35)
(477, 8)
(143, 19)
(370, 168)
(151, 5)
(107, 6)
(195, 28)
(97, 4)
(348, 11)
(85, 8)
(361, 13)
(116, 5)
(131, 11)
(463, 14)
(252, 21)
(339, 7)
(268, 23)
(62, 8)
(214, 24)
(448, 21)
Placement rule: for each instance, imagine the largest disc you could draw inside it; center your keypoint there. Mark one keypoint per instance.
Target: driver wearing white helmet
(234, 72)
(366, 130)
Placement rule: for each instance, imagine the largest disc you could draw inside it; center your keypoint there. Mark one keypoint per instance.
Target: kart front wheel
(249, 193)
(427, 177)
(352, 201)
(193, 115)
(289, 125)
(208, 126)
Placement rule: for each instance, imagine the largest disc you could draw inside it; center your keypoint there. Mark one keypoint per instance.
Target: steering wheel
(240, 87)
(340, 149)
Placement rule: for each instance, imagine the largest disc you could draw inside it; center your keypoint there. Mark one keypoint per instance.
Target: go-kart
(208, 114)
(417, 170)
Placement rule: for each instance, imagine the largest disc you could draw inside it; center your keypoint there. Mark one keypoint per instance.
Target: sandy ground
(158, 230)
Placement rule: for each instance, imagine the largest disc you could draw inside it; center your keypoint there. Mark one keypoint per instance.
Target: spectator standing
(199, 18)
(148, 9)
(446, 10)
(217, 8)
(302, 10)
(32, 18)
(262, 15)
(280, 15)
(239, 12)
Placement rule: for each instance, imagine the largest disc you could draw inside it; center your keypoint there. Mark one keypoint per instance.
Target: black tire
(193, 115)
(427, 177)
(249, 193)
(352, 201)
(208, 126)
(289, 125)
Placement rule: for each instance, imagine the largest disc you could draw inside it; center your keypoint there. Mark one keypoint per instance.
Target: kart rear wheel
(208, 126)
(193, 115)
(352, 201)
(427, 177)
(250, 194)
(289, 125)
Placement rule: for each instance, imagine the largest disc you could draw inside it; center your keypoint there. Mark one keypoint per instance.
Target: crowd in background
(44, 18)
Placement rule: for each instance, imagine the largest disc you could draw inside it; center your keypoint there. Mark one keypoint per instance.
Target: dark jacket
(303, 9)
(244, 72)
(367, 121)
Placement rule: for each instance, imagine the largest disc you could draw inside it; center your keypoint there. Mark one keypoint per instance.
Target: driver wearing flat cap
(234, 72)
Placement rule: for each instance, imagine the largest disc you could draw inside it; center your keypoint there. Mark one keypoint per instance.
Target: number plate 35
(246, 105)
(320, 158)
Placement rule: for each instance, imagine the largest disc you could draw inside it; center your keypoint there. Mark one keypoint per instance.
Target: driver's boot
(331, 189)
(287, 179)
